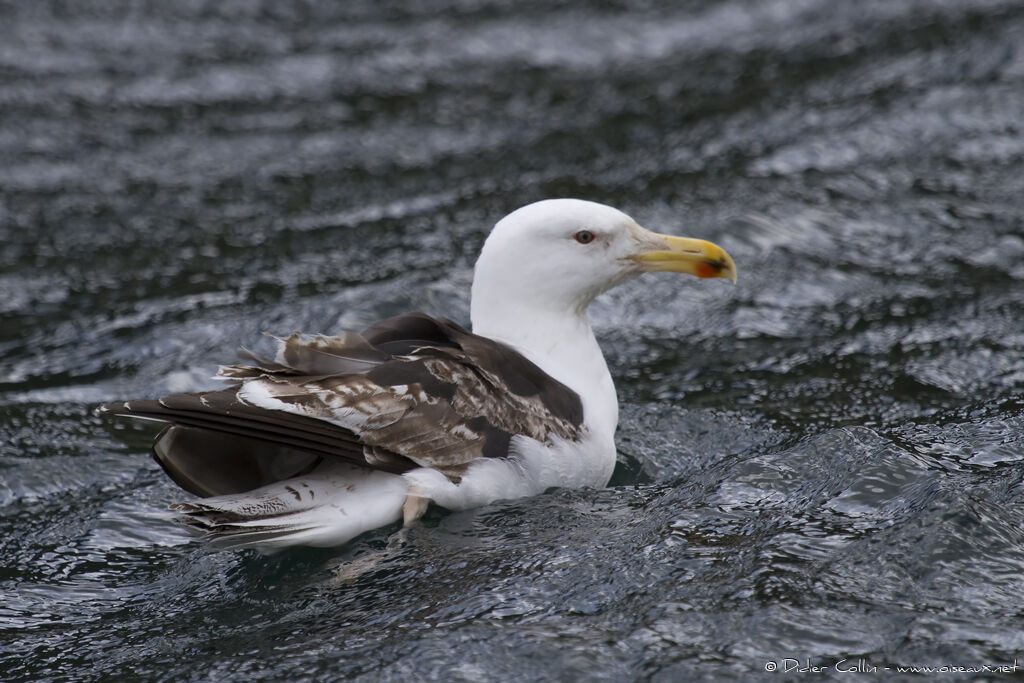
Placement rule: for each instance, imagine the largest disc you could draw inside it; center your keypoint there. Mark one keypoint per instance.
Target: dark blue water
(822, 463)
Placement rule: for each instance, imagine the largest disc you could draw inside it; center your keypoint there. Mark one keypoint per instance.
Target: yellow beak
(684, 255)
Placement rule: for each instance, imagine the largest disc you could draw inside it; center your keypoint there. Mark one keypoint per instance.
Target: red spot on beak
(705, 269)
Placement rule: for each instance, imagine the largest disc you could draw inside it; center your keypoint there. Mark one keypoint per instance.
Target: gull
(339, 435)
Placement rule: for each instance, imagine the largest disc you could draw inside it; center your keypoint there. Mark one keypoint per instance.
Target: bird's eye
(584, 237)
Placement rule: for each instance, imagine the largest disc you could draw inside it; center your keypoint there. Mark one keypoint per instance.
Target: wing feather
(410, 389)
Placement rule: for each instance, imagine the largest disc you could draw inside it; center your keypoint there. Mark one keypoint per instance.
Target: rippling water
(824, 462)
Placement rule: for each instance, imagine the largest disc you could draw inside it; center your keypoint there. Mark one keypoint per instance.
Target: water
(824, 462)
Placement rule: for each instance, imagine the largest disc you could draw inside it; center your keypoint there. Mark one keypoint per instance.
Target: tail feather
(328, 506)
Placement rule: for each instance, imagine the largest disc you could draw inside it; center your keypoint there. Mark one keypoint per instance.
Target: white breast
(530, 469)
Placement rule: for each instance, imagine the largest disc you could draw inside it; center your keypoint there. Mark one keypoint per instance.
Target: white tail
(329, 506)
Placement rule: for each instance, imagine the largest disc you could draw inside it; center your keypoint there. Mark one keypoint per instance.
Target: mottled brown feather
(410, 389)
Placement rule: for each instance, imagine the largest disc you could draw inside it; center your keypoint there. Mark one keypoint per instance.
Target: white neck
(560, 343)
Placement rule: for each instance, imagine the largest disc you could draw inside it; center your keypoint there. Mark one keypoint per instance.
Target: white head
(556, 255)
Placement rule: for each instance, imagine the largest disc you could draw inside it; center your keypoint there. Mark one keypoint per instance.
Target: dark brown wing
(411, 390)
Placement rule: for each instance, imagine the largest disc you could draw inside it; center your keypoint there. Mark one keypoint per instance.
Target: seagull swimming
(339, 435)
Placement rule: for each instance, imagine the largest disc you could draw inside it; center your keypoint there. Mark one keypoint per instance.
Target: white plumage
(374, 427)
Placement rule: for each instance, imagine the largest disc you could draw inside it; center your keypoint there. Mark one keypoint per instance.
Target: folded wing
(409, 391)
